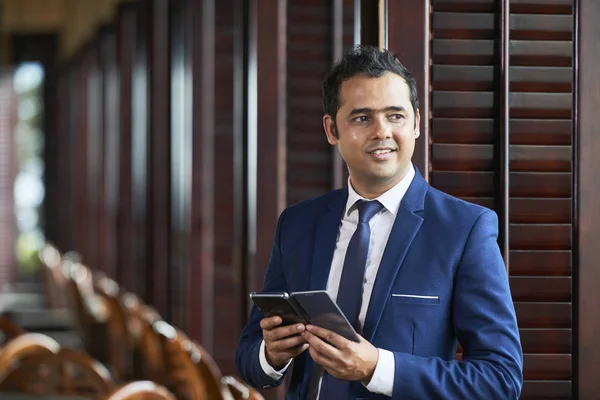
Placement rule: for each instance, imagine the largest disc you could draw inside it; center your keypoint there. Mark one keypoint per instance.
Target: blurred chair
(53, 277)
(68, 372)
(23, 346)
(240, 391)
(90, 309)
(142, 390)
(120, 352)
(208, 371)
(181, 375)
(145, 344)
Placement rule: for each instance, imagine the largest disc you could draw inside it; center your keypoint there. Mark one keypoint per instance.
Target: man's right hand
(282, 343)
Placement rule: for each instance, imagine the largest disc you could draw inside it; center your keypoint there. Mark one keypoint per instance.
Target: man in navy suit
(414, 269)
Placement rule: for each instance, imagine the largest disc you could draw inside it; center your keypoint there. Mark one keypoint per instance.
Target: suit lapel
(325, 240)
(404, 230)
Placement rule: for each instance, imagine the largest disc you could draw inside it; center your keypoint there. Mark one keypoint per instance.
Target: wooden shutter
(468, 132)
(541, 103)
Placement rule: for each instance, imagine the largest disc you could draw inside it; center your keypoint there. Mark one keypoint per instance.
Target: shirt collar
(390, 199)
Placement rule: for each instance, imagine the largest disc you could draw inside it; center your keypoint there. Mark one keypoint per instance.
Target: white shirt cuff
(382, 381)
(271, 373)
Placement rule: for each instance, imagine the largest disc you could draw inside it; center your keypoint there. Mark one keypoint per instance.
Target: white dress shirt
(381, 224)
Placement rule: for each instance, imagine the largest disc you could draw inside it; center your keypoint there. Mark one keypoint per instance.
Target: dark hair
(363, 60)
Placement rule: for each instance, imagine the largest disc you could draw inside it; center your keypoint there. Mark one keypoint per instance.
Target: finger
(320, 358)
(270, 322)
(285, 344)
(298, 350)
(324, 349)
(283, 332)
(328, 336)
(291, 352)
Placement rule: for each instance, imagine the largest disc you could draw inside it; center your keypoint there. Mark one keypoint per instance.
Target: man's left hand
(341, 357)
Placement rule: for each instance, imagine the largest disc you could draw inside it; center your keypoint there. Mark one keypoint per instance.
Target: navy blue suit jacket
(439, 246)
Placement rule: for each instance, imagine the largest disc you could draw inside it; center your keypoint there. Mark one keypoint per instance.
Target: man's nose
(382, 129)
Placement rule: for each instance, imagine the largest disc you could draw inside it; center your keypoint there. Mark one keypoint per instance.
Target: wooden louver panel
(541, 100)
(465, 144)
(464, 122)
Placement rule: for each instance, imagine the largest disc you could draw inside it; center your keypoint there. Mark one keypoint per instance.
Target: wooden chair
(207, 369)
(145, 345)
(240, 391)
(90, 309)
(119, 350)
(21, 347)
(68, 372)
(181, 375)
(51, 274)
(142, 390)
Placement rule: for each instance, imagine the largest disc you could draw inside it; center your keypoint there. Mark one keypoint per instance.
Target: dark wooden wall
(185, 127)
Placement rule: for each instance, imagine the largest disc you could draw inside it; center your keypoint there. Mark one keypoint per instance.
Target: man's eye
(362, 118)
(397, 116)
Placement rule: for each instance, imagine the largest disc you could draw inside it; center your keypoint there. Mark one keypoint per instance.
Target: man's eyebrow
(366, 110)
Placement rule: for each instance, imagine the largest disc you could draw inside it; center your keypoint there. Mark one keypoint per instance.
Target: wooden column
(267, 135)
(587, 211)
(140, 126)
(111, 101)
(240, 156)
(159, 158)
(180, 143)
(94, 160)
(80, 213)
(73, 213)
(126, 25)
(504, 137)
(200, 283)
(408, 37)
(229, 289)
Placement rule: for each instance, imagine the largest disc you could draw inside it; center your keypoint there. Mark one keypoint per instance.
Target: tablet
(323, 312)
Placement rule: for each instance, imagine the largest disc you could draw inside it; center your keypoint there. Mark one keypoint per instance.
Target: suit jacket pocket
(415, 298)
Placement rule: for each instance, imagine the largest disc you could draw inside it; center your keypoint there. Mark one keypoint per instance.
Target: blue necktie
(349, 297)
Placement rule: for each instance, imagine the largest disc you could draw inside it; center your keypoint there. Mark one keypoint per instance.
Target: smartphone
(271, 304)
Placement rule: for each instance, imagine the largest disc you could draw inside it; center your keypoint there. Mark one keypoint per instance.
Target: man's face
(375, 129)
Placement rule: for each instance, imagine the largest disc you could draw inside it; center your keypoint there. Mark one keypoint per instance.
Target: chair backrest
(90, 309)
(142, 339)
(119, 346)
(142, 390)
(54, 280)
(23, 346)
(69, 372)
(208, 370)
(240, 391)
(181, 375)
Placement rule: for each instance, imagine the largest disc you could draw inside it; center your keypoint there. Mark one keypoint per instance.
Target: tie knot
(367, 209)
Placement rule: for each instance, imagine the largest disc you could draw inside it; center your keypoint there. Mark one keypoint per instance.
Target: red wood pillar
(587, 211)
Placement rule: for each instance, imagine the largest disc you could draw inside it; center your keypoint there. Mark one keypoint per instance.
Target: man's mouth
(381, 151)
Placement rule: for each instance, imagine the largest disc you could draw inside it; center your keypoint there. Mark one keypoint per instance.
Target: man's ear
(330, 129)
(417, 124)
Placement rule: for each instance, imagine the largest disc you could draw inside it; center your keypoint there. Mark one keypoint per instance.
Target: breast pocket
(415, 299)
